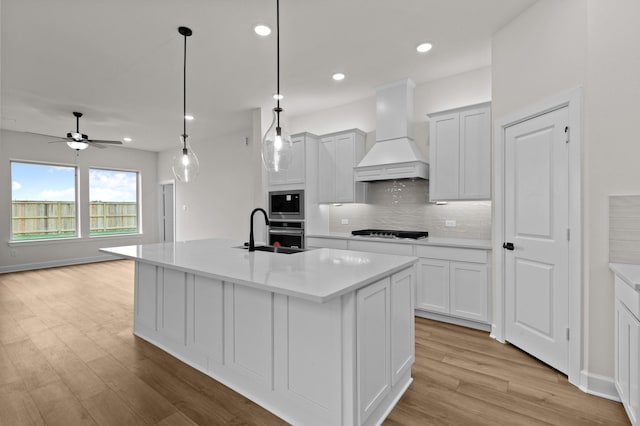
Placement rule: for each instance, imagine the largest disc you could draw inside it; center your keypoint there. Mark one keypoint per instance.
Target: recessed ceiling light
(188, 117)
(338, 76)
(277, 96)
(127, 139)
(424, 47)
(262, 30)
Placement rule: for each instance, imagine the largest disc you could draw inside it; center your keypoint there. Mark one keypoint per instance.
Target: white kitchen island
(321, 337)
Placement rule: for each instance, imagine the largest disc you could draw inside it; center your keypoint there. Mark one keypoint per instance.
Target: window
(43, 201)
(113, 204)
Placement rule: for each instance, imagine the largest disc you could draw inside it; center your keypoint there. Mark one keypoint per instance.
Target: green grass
(41, 236)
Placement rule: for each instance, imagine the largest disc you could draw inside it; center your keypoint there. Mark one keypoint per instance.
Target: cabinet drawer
(384, 248)
(453, 253)
(628, 297)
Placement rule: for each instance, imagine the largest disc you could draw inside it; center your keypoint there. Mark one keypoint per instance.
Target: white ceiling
(120, 61)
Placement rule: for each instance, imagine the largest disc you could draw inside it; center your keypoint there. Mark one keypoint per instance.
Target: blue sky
(42, 182)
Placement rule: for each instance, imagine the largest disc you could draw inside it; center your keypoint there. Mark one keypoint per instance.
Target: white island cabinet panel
(374, 380)
(402, 334)
(207, 320)
(249, 332)
(173, 314)
(146, 296)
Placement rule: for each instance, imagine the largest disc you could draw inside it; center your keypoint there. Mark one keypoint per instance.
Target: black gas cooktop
(388, 233)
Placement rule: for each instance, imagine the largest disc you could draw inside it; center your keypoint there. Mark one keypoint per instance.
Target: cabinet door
(326, 170)
(295, 172)
(277, 178)
(344, 161)
(444, 153)
(475, 154)
(373, 346)
(402, 323)
(622, 337)
(469, 293)
(433, 285)
(634, 369)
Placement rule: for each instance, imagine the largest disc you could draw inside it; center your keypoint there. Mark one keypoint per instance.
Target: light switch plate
(450, 223)
(345, 221)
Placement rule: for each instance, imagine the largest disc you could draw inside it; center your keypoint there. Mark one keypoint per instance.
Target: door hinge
(566, 132)
(568, 234)
(568, 333)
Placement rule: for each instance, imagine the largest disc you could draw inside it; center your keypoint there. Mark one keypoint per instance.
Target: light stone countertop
(629, 273)
(429, 241)
(318, 275)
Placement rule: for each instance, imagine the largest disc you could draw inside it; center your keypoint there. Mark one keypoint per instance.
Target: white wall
(218, 203)
(612, 109)
(558, 45)
(459, 90)
(32, 254)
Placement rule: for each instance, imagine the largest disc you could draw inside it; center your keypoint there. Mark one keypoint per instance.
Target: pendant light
(185, 165)
(277, 148)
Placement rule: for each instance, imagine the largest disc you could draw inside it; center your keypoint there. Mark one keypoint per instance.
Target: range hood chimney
(395, 154)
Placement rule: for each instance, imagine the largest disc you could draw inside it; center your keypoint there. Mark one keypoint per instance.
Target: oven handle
(286, 231)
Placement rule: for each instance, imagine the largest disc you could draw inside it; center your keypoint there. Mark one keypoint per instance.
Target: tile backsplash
(624, 229)
(404, 204)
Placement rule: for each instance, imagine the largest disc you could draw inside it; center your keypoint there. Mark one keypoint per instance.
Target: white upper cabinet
(460, 154)
(294, 175)
(338, 153)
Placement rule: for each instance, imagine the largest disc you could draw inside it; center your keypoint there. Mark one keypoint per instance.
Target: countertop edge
(630, 273)
(430, 241)
(411, 261)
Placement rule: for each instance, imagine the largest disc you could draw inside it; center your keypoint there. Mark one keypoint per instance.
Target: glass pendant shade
(78, 146)
(185, 164)
(277, 148)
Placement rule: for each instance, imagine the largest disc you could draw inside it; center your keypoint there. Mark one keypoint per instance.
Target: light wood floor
(68, 357)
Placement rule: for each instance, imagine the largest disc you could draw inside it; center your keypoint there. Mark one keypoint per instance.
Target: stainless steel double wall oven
(286, 217)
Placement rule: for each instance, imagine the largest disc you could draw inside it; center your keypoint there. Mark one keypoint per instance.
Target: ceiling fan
(79, 141)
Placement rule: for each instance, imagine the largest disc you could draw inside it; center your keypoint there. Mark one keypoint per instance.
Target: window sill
(71, 240)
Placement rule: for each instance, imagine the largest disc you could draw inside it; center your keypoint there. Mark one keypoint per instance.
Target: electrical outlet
(450, 223)
(13, 253)
(345, 221)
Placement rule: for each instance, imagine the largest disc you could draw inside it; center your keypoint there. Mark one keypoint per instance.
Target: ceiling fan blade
(103, 141)
(42, 134)
(59, 141)
(95, 145)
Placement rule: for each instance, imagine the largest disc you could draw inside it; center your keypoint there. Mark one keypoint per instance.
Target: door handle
(508, 246)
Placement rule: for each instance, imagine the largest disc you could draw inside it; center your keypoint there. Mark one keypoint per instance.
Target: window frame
(76, 181)
(138, 202)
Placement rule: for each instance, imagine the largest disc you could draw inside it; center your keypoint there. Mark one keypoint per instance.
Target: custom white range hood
(395, 154)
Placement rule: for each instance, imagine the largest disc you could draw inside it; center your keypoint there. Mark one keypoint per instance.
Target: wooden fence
(53, 219)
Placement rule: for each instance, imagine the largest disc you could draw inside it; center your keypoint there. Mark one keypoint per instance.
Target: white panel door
(536, 223)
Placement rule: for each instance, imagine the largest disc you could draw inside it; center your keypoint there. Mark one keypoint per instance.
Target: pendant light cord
(278, 109)
(184, 95)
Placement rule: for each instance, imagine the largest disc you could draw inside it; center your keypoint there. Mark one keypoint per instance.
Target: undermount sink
(273, 249)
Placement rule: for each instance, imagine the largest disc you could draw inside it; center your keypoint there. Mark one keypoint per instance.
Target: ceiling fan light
(78, 146)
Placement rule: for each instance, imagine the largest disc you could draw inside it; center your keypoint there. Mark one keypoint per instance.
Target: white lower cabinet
(627, 348)
(385, 339)
(456, 283)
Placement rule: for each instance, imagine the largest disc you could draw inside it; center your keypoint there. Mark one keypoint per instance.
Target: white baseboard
(56, 263)
(453, 320)
(595, 384)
